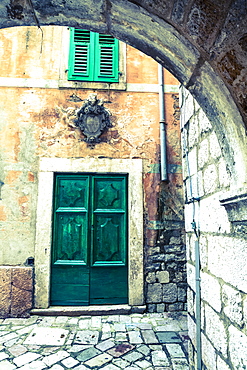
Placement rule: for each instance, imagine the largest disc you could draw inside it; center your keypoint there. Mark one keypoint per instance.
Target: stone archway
(202, 43)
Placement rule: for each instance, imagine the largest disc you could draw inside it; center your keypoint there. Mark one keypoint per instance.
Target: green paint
(93, 56)
(89, 257)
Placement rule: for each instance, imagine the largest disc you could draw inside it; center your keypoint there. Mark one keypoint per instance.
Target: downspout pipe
(195, 228)
(163, 156)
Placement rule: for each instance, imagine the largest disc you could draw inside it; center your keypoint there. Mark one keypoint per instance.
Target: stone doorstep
(88, 310)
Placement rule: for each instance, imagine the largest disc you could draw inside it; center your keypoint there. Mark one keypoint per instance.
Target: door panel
(109, 244)
(70, 285)
(108, 285)
(89, 257)
(71, 237)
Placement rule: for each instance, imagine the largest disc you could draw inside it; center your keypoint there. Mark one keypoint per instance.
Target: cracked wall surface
(41, 125)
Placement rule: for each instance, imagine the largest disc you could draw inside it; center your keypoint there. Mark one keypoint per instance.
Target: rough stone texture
(5, 291)
(238, 348)
(222, 246)
(16, 291)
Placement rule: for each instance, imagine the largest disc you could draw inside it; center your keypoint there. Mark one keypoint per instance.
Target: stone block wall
(16, 291)
(165, 251)
(220, 214)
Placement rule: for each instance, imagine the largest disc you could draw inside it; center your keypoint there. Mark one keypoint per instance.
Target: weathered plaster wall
(222, 246)
(38, 121)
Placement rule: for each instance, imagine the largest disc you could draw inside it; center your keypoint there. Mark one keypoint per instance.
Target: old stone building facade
(40, 140)
(203, 44)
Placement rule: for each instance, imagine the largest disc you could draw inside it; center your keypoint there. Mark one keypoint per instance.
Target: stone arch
(200, 44)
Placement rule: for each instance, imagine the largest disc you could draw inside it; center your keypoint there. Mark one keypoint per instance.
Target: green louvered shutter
(81, 55)
(106, 58)
(93, 57)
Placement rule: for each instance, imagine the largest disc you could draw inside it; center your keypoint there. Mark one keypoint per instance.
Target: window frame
(78, 84)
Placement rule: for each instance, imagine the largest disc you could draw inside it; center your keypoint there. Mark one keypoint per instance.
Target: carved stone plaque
(93, 118)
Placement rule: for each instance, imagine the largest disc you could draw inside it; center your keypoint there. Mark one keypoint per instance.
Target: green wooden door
(89, 254)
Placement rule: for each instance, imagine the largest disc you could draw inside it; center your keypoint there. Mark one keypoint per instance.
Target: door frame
(47, 168)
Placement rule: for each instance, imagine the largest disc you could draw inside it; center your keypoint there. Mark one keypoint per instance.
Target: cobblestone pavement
(130, 342)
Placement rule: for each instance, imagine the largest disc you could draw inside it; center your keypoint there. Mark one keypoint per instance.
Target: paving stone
(175, 350)
(121, 337)
(180, 364)
(143, 364)
(149, 337)
(98, 360)
(133, 356)
(69, 362)
(143, 349)
(6, 365)
(34, 347)
(3, 356)
(70, 338)
(57, 367)
(84, 324)
(104, 346)
(73, 321)
(106, 336)
(110, 367)
(80, 367)
(3, 332)
(14, 321)
(120, 349)
(119, 327)
(12, 342)
(87, 337)
(144, 326)
(132, 367)
(135, 337)
(78, 348)
(61, 320)
(26, 329)
(46, 321)
(120, 363)
(17, 350)
(95, 322)
(55, 357)
(106, 327)
(87, 354)
(45, 351)
(7, 337)
(168, 337)
(26, 358)
(159, 358)
(171, 326)
(155, 347)
(125, 318)
(131, 326)
(47, 336)
(113, 318)
(35, 365)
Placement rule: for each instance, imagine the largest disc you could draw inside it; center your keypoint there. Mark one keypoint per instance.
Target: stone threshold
(88, 310)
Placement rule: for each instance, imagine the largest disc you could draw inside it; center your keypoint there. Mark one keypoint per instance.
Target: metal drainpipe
(163, 159)
(195, 227)
(198, 305)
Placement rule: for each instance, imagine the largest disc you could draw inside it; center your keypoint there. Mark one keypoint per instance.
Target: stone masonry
(16, 291)
(222, 244)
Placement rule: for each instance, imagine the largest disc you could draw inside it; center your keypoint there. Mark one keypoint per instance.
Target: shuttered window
(93, 56)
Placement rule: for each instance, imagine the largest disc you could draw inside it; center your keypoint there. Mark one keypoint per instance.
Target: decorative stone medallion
(92, 119)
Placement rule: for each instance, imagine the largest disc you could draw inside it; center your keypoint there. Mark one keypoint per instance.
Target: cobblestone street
(138, 341)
